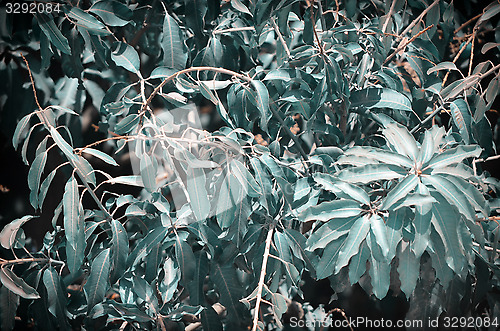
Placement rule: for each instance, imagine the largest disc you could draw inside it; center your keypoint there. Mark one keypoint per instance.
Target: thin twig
(456, 58)
(415, 21)
(427, 119)
(467, 23)
(389, 15)
(262, 278)
(280, 37)
(403, 45)
(472, 52)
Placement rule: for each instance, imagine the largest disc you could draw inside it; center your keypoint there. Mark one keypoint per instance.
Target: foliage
(348, 147)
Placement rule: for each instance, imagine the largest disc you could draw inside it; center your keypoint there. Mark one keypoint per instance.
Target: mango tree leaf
(62, 144)
(408, 269)
(380, 276)
(401, 140)
(439, 260)
(196, 292)
(98, 282)
(168, 285)
(380, 155)
(9, 232)
(185, 259)
(45, 187)
(331, 209)
(74, 227)
(442, 66)
(453, 155)
(20, 128)
(427, 149)
(112, 12)
(9, 301)
(379, 231)
(332, 230)
(87, 21)
(53, 33)
(174, 55)
(35, 175)
(400, 191)
(357, 267)
(127, 180)
(17, 285)
(370, 173)
(198, 196)
(260, 99)
(357, 234)
(230, 290)
(341, 189)
(56, 296)
(380, 98)
(127, 124)
(126, 56)
(119, 249)
(325, 265)
(148, 166)
(100, 155)
(462, 118)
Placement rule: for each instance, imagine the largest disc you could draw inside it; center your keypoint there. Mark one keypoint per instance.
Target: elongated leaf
(462, 118)
(56, 295)
(380, 98)
(442, 66)
(357, 267)
(454, 155)
(230, 290)
(357, 234)
(100, 155)
(245, 178)
(439, 260)
(401, 140)
(126, 56)
(325, 266)
(53, 33)
(87, 21)
(332, 230)
(74, 228)
(9, 232)
(168, 286)
(427, 149)
(379, 232)
(9, 301)
(20, 128)
(45, 187)
(185, 259)
(112, 12)
(452, 193)
(260, 98)
(408, 269)
(62, 144)
(148, 166)
(35, 175)
(196, 292)
(341, 189)
(98, 282)
(331, 209)
(445, 221)
(380, 276)
(127, 180)
(119, 249)
(400, 191)
(174, 55)
(198, 196)
(370, 173)
(17, 285)
(377, 155)
(145, 245)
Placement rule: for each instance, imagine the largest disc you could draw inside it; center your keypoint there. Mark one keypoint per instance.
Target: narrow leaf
(17, 285)
(97, 284)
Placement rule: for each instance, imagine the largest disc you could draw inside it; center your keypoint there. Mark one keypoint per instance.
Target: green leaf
(127, 124)
(62, 144)
(370, 173)
(9, 232)
(341, 189)
(185, 259)
(380, 98)
(229, 288)
(408, 269)
(119, 249)
(168, 285)
(380, 276)
(332, 230)
(53, 33)
(445, 221)
(174, 55)
(357, 234)
(357, 267)
(401, 140)
(462, 118)
(17, 285)
(148, 166)
(325, 265)
(379, 155)
(126, 56)
(400, 191)
(442, 66)
(394, 224)
(453, 155)
(427, 149)
(239, 6)
(20, 128)
(56, 296)
(379, 231)
(196, 292)
(45, 187)
(35, 175)
(87, 21)
(452, 193)
(331, 209)
(127, 180)
(198, 196)
(74, 227)
(9, 301)
(260, 99)
(97, 284)
(438, 258)
(112, 12)
(100, 155)
(195, 16)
